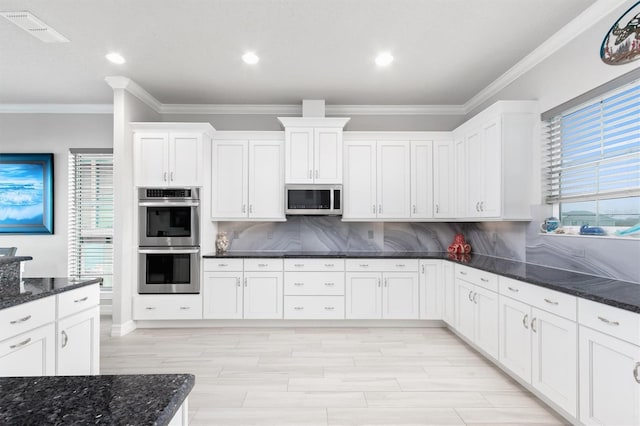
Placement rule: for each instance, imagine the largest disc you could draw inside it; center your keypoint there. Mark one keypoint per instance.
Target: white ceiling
(188, 51)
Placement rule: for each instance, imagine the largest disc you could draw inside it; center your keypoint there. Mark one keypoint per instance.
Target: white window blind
(593, 152)
(91, 214)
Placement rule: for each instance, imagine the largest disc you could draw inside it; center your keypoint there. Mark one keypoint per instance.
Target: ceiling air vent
(35, 27)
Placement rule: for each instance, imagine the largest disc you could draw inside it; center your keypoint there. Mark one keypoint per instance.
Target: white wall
(51, 133)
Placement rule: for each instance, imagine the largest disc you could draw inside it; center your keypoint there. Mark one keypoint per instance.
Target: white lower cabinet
(515, 337)
(223, 295)
(167, 307)
(29, 354)
(79, 344)
(314, 307)
(389, 295)
(431, 289)
(477, 315)
(363, 295)
(263, 294)
(448, 293)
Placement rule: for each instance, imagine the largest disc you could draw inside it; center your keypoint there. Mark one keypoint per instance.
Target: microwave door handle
(170, 251)
(169, 204)
(331, 197)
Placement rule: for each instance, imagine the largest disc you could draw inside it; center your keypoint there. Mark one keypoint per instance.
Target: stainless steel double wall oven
(169, 240)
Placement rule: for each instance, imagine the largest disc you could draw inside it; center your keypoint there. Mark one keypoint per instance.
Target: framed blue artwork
(26, 193)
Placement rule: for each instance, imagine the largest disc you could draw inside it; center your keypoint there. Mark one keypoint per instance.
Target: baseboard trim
(243, 323)
(119, 330)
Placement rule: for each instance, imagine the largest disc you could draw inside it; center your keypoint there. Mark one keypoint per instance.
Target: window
(91, 214)
(592, 160)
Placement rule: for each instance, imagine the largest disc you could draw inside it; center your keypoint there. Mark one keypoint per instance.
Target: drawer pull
(18, 321)
(17, 345)
(636, 373)
(463, 273)
(298, 308)
(262, 265)
(329, 284)
(515, 290)
(551, 302)
(299, 265)
(65, 338)
(364, 265)
(525, 321)
(484, 280)
(400, 265)
(470, 297)
(533, 325)
(84, 299)
(475, 298)
(184, 308)
(607, 321)
(298, 283)
(329, 308)
(150, 308)
(222, 265)
(329, 265)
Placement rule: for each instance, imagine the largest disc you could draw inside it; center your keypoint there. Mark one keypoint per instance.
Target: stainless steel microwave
(313, 200)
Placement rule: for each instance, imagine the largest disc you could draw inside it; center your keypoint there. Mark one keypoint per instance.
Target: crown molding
(240, 109)
(56, 109)
(314, 121)
(395, 110)
(125, 83)
(566, 34)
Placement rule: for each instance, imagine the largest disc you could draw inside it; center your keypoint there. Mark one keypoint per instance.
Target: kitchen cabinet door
(443, 179)
(185, 160)
(394, 179)
(222, 293)
(360, 190)
(152, 159)
(554, 369)
(421, 179)
(515, 337)
(363, 296)
(327, 155)
(486, 320)
(475, 172)
(400, 295)
(609, 379)
(78, 344)
(431, 289)
(299, 164)
(29, 354)
(461, 173)
(263, 295)
(266, 186)
(465, 310)
(491, 200)
(448, 294)
(230, 179)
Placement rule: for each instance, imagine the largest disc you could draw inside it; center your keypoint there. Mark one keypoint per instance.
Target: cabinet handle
(533, 325)
(171, 177)
(299, 265)
(463, 273)
(437, 208)
(373, 209)
(525, 321)
(316, 174)
(329, 265)
(238, 282)
(184, 308)
(65, 338)
(298, 283)
(551, 302)
(329, 308)
(478, 206)
(400, 265)
(18, 321)
(245, 282)
(481, 206)
(250, 208)
(364, 265)
(222, 265)
(422, 269)
(310, 176)
(164, 176)
(386, 282)
(378, 282)
(484, 280)
(298, 308)
(607, 321)
(379, 208)
(470, 298)
(24, 342)
(244, 208)
(262, 265)
(515, 290)
(414, 208)
(84, 299)
(329, 284)
(150, 308)
(636, 374)
(475, 300)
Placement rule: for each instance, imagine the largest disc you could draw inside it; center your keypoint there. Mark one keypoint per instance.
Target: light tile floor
(327, 376)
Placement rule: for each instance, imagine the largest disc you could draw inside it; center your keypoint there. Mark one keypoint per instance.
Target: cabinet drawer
(382, 265)
(25, 317)
(561, 304)
(78, 300)
(223, 264)
(478, 277)
(314, 307)
(613, 321)
(314, 264)
(167, 307)
(274, 265)
(314, 283)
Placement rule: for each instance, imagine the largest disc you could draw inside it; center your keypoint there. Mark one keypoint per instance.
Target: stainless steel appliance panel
(169, 270)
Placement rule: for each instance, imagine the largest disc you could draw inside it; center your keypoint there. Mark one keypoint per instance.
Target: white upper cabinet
(313, 149)
(493, 161)
(394, 179)
(360, 190)
(421, 179)
(247, 177)
(169, 154)
(443, 179)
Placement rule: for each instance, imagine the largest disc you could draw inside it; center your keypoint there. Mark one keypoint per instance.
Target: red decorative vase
(459, 245)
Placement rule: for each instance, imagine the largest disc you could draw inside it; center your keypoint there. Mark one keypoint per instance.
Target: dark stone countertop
(621, 294)
(12, 259)
(151, 399)
(37, 288)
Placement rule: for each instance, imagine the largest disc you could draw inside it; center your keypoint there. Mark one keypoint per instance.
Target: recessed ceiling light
(116, 58)
(383, 59)
(250, 58)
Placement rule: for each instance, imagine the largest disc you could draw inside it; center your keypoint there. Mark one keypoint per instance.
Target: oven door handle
(169, 204)
(169, 251)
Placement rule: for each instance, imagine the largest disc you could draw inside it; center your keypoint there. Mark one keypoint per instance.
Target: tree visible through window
(91, 214)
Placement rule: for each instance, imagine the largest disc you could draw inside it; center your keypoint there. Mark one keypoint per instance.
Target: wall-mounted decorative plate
(621, 45)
